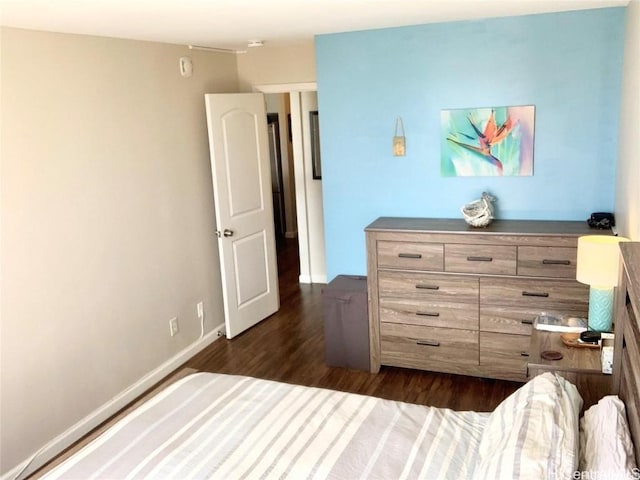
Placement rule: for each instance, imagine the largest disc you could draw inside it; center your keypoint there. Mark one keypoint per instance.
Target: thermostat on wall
(186, 66)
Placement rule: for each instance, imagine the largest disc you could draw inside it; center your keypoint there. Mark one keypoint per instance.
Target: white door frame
(294, 90)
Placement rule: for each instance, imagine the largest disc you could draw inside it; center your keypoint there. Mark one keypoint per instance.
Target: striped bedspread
(222, 426)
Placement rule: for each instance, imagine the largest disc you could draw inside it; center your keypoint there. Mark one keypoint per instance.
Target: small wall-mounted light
(399, 141)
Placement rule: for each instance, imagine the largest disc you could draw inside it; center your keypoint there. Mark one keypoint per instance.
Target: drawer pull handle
(524, 354)
(547, 261)
(535, 294)
(428, 314)
(527, 322)
(479, 259)
(428, 343)
(410, 255)
(427, 287)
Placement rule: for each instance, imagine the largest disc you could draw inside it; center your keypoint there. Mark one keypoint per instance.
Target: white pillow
(606, 449)
(532, 434)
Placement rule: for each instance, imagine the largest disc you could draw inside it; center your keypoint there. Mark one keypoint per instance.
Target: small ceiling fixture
(255, 43)
(215, 49)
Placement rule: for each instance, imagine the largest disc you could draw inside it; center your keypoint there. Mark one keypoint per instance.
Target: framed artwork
(493, 141)
(315, 145)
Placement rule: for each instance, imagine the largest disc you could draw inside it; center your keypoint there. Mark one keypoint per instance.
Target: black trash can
(346, 322)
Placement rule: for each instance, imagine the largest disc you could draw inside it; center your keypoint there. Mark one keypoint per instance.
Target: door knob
(227, 233)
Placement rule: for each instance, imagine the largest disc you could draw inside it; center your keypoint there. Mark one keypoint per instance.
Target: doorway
(302, 193)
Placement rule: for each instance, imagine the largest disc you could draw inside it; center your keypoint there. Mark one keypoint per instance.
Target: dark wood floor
(289, 347)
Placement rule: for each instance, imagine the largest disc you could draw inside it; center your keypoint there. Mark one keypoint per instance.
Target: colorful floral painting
(492, 141)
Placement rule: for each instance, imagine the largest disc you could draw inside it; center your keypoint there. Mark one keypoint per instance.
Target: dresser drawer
(545, 295)
(411, 255)
(505, 356)
(428, 348)
(433, 314)
(480, 259)
(428, 287)
(557, 262)
(517, 320)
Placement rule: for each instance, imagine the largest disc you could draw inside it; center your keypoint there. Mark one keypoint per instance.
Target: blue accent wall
(568, 65)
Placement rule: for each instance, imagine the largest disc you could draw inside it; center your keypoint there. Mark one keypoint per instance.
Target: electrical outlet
(200, 308)
(173, 326)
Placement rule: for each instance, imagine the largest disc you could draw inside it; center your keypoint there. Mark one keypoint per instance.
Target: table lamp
(598, 262)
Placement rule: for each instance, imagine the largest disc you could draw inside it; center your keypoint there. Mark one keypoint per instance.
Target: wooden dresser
(447, 297)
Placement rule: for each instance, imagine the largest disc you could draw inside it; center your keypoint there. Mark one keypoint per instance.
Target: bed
(211, 425)
(225, 426)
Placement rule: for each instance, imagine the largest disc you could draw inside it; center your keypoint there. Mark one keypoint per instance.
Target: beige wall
(628, 171)
(107, 222)
(276, 65)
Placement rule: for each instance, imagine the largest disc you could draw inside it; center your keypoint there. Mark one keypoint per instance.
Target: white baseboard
(319, 278)
(91, 421)
(312, 278)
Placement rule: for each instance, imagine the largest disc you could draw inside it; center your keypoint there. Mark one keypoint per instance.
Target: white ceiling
(232, 23)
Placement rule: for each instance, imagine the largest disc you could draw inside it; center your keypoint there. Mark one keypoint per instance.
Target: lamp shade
(598, 260)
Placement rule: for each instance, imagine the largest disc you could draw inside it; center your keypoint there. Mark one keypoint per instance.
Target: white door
(239, 150)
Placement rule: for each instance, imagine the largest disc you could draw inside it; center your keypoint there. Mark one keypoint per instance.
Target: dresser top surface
(498, 227)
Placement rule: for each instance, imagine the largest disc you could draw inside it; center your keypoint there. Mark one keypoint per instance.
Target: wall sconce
(399, 142)
(598, 262)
